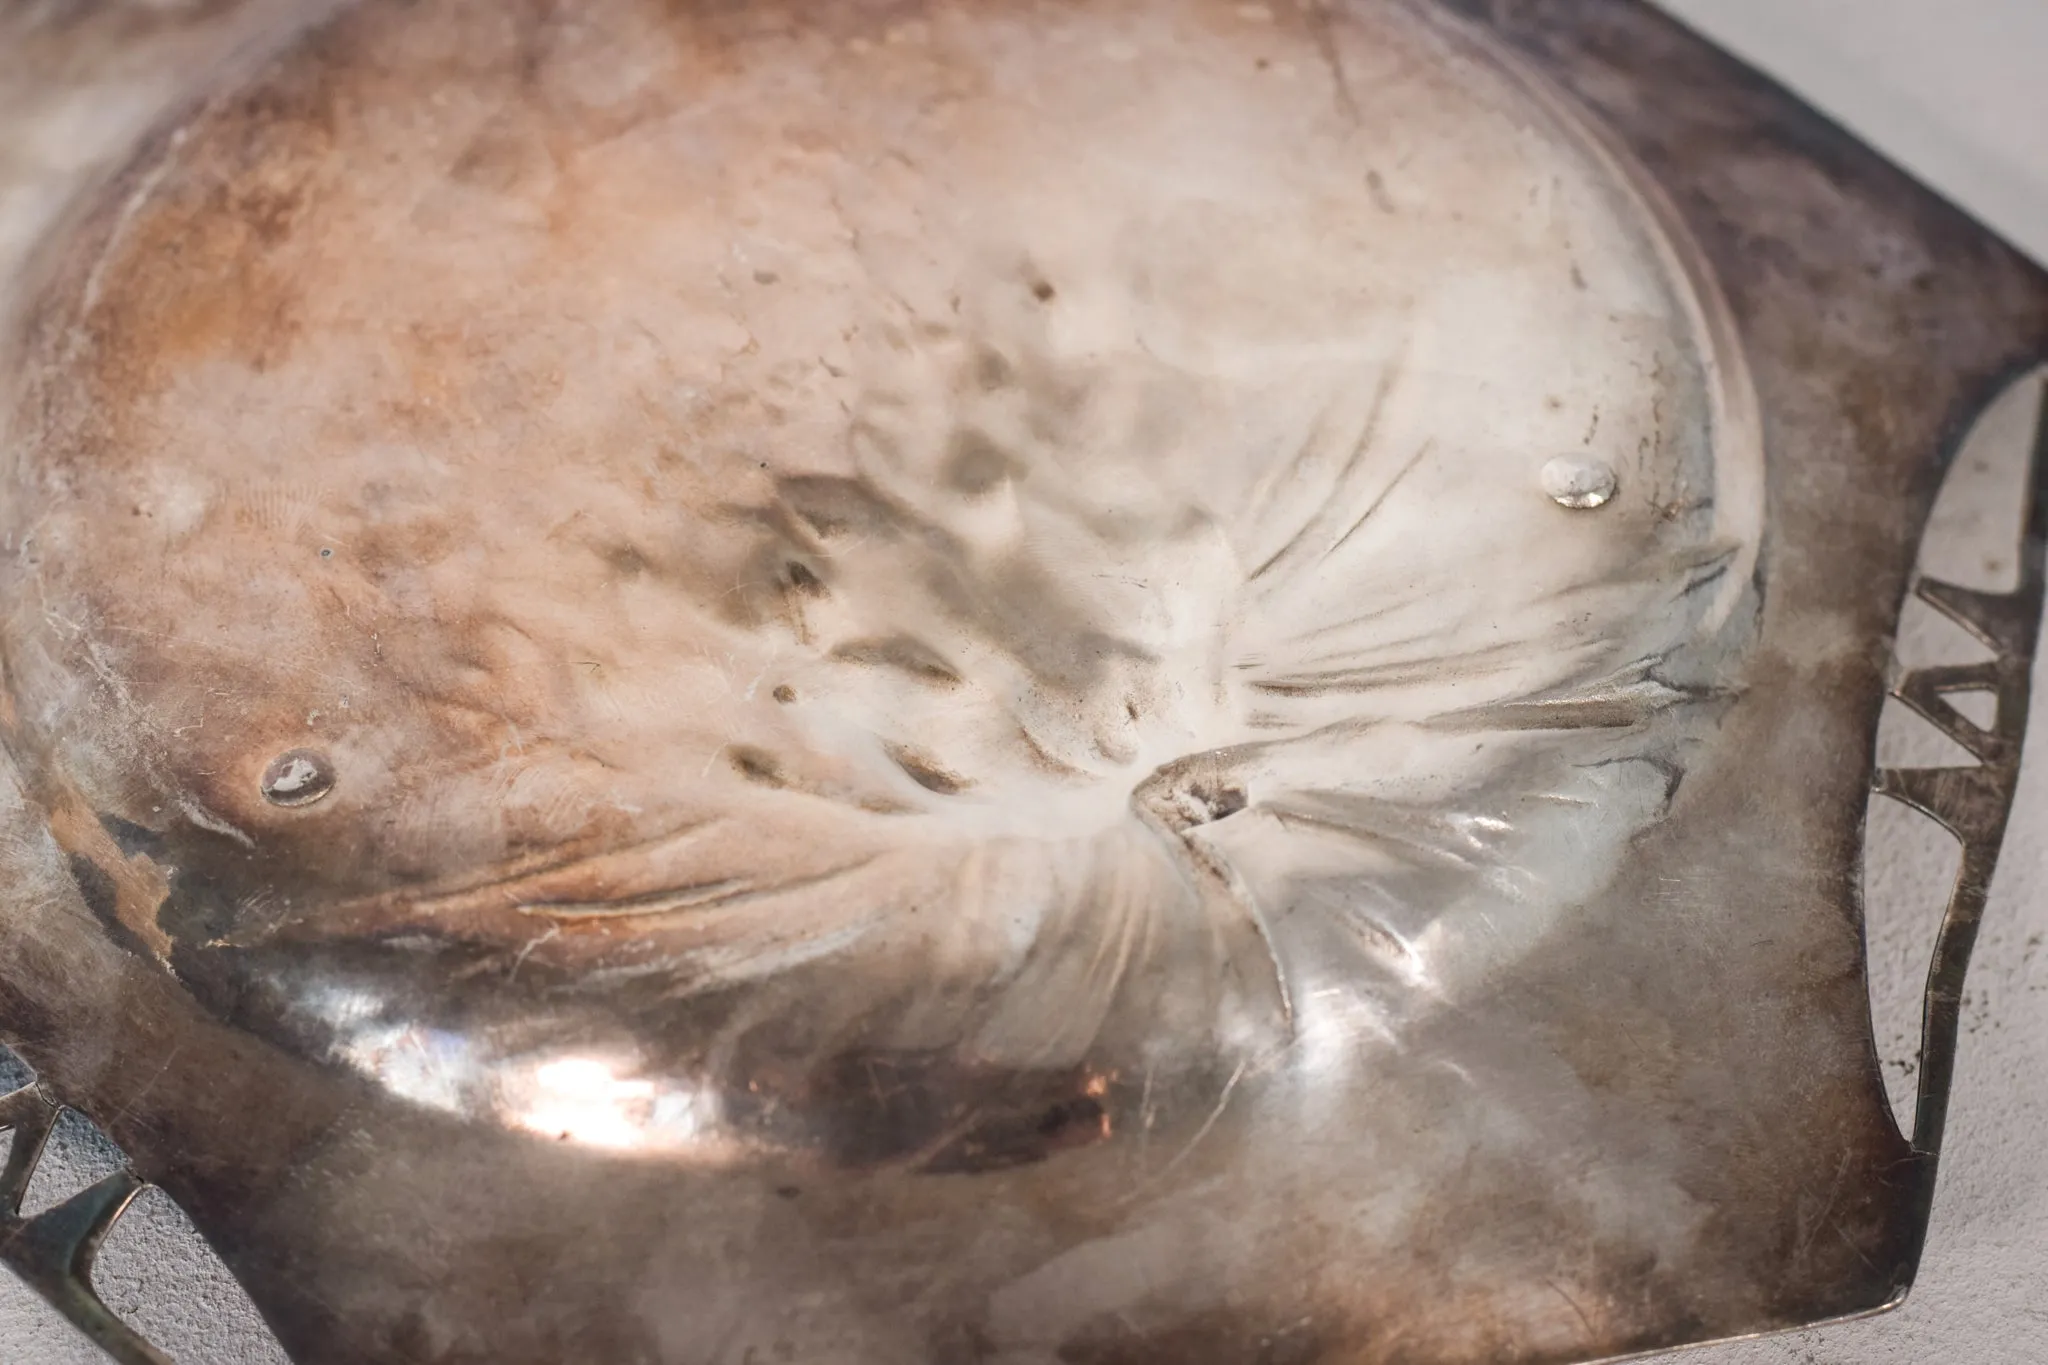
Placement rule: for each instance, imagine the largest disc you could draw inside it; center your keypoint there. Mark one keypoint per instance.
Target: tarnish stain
(138, 885)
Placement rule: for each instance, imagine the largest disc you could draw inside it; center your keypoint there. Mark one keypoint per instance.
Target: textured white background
(1957, 90)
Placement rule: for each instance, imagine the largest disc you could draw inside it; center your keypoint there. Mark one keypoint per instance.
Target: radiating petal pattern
(1067, 563)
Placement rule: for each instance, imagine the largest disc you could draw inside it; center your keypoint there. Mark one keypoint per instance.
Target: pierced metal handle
(1972, 803)
(53, 1251)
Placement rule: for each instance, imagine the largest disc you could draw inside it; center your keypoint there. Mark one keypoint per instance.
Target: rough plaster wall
(1953, 91)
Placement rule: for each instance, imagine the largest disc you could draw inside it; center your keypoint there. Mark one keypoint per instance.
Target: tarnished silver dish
(1084, 682)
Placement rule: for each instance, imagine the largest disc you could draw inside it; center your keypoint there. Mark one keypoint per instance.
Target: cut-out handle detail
(1972, 803)
(53, 1250)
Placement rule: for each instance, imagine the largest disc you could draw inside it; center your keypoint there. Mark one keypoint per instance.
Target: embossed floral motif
(1087, 597)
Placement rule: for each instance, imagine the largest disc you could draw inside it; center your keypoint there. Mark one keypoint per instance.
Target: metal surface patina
(1118, 682)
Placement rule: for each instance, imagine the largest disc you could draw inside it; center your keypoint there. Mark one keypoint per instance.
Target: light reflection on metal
(580, 1100)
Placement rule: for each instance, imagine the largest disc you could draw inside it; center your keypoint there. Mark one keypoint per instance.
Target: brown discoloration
(932, 1113)
(901, 653)
(926, 771)
(756, 765)
(136, 885)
